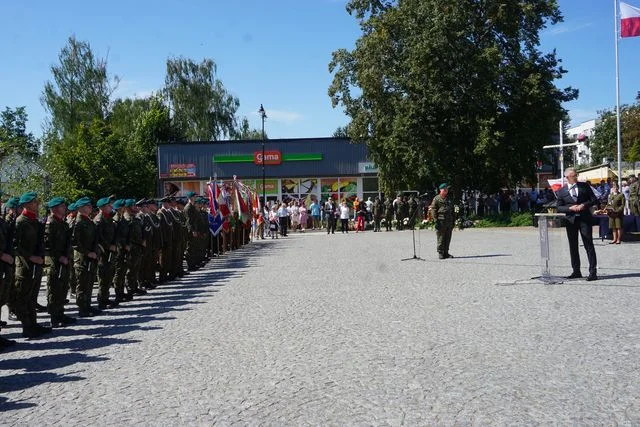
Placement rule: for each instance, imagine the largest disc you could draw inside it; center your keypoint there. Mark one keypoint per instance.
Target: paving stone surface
(337, 330)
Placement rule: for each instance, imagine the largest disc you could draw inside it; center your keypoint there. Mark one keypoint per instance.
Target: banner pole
(619, 138)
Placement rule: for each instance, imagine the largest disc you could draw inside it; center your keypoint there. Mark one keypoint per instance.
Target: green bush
(505, 220)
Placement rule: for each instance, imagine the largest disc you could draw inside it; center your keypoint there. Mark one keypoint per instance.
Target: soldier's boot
(41, 308)
(95, 311)
(56, 321)
(30, 332)
(67, 320)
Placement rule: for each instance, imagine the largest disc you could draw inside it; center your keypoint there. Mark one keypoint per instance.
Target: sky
(270, 52)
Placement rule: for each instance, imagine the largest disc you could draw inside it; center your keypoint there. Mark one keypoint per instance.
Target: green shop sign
(271, 157)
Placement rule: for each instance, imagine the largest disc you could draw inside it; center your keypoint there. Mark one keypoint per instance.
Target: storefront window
(330, 188)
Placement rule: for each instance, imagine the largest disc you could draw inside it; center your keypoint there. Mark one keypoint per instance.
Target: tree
(341, 132)
(245, 133)
(14, 138)
(454, 91)
(81, 88)
(604, 143)
(201, 106)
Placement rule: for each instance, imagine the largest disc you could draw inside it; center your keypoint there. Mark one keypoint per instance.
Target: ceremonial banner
(216, 219)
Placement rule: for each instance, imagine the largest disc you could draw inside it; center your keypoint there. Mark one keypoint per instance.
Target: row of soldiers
(405, 211)
(122, 244)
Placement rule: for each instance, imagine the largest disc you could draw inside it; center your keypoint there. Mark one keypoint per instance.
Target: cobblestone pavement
(336, 330)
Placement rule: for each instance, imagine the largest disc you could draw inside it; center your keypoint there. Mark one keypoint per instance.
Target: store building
(308, 168)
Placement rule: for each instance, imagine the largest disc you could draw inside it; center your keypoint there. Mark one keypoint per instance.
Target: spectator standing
(303, 216)
(361, 215)
(283, 219)
(315, 214)
(329, 213)
(344, 216)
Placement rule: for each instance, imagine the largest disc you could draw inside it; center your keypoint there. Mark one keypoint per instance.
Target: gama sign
(271, 157)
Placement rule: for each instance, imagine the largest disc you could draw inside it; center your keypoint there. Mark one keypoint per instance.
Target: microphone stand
(413, 236)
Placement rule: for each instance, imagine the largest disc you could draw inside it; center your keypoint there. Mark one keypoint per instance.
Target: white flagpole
(615, 34)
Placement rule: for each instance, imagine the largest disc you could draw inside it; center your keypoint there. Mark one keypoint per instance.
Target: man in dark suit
(574, 200)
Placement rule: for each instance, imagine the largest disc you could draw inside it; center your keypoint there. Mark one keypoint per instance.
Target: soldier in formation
(122, 244)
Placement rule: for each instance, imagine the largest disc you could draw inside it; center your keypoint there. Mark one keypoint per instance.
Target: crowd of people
(279, 218)
(121, 244)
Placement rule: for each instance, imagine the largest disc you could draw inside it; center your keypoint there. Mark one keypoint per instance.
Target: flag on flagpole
(629, 20)
(222, 198)
(241, 205)
(215, 216)
(556, 184)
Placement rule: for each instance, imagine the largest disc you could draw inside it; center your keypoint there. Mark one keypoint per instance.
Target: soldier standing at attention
(71, 222)
(147, 273)
(7, 296)
(29, 261)
(6, 264)
(122, 249)
(136, 240)
(156, 241)
(85, 257)
(106, 229)
(57, 246)
(634, 199)
(166, 230)
(378, 213)
(388, 214)
(179, 237)
(441, 210)
(191, 221)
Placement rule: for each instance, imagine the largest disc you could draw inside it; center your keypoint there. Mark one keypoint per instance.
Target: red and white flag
(556, 184)
(223, 200)
(629, 20)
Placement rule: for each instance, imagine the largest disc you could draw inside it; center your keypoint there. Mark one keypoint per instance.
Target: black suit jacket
(585, 196)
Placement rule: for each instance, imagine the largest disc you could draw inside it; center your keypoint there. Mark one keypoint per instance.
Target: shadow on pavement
(481, 256)
(98, 332)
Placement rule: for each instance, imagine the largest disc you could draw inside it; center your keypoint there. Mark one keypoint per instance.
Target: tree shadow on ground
(97, 332)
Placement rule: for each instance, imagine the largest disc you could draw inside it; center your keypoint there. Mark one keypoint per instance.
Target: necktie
(574, 192)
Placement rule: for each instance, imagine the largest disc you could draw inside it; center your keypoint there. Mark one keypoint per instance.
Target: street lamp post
(263, 116)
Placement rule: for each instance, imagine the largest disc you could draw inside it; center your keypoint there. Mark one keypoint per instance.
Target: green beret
(102, 202)
(12, 202)
(129, 202)
(72, 207)
(118, 204)
(190, 194)
(55, 202)
(28, 197)
(443, 186)
(83, 201)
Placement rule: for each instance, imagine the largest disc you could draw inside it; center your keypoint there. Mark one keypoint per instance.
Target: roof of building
(300, 157)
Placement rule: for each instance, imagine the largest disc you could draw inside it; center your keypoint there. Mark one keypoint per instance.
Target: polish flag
(629, 20)
(556, 184)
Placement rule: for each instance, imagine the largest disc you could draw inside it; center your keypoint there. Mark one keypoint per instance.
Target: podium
(544, 221)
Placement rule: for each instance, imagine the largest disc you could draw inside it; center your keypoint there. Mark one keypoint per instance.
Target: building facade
(582, 134)
(303, 169)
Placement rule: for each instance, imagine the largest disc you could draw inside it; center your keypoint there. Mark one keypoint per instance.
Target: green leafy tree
(341, 132)
(81, 88)
(202, 108)
(14, 138)
(604, 143)
(455, 91)
(246, 133)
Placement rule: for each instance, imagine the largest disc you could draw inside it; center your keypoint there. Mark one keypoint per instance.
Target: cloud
(567, 27)
(281, 116)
